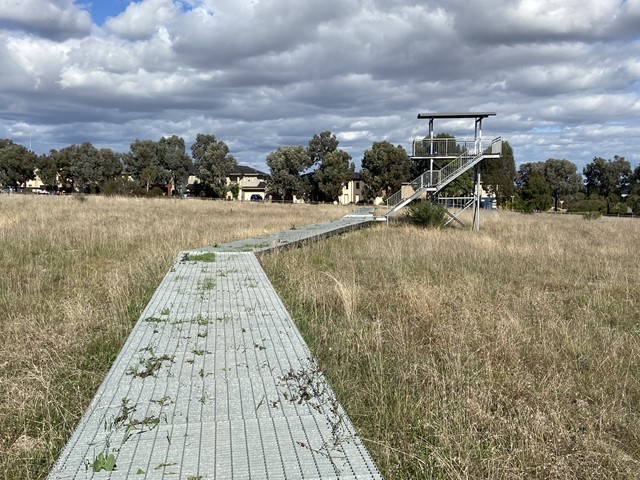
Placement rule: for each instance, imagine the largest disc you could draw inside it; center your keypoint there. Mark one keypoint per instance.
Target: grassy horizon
(75, 277)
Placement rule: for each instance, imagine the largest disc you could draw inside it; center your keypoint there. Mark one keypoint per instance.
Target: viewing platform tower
(444, 160)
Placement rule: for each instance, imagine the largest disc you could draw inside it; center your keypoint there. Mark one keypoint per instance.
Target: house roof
(239, 170)
(261, 187)
(244, 170)
(354, 176)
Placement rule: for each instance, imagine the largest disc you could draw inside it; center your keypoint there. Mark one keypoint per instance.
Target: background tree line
(141, 171)
(606, 186)
(319, 171)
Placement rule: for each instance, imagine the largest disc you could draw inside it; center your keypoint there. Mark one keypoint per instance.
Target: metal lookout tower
(446, 159)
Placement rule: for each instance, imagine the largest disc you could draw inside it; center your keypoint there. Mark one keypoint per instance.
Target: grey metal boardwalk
(215, 381)
(298, 235)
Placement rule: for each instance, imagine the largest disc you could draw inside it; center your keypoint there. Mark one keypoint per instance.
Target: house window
(357, 185)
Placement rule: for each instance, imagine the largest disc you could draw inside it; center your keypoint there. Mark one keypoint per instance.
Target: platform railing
(444, 147)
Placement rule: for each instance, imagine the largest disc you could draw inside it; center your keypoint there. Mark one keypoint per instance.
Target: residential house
(252, 183)
(193, 180)
(352, 190)
(36, 183)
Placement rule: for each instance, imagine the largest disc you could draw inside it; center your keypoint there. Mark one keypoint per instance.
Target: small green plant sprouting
(165, 465)
(140, 472)
(308, 386)
(200, 320)
(199, 257)
(254, 246)
(203, 334)
(153, 320)
(124, 414)
(199, 351)
(163, 401)
(194, 477)
(165, 311)
(142, 425)
(207, 284)
(103, 462)
(150, 366)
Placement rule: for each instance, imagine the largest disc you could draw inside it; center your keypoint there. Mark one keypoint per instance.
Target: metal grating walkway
(215, 382)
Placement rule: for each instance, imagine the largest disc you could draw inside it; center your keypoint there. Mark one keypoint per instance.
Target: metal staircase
(433, 181)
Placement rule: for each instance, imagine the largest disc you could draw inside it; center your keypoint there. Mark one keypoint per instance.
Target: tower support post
(477, 197)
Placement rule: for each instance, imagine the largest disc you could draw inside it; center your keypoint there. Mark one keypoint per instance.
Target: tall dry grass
(513, 352)
(74, 276)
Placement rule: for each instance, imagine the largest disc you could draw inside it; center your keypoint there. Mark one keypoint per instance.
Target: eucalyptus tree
(286, 165)
(562, 177)
(335, 170)
(499, 174)
(214, 163)
(320, 146)
(384, 168)
(17, 164)
(90, 167)
(607, 177)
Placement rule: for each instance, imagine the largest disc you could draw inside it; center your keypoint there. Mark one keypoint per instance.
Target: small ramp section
(215, 382)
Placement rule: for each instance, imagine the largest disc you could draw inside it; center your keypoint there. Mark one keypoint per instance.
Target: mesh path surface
(215, 381)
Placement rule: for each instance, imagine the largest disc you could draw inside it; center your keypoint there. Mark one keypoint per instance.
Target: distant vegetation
(512, 352)
(608, 186)
(318, 171)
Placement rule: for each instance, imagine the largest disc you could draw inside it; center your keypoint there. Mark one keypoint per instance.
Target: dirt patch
(24, 444)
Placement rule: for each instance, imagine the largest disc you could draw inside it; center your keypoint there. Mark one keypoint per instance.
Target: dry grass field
(74, 276)
(513, 352)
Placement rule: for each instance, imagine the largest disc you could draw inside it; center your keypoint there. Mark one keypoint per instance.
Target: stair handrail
(439, 178)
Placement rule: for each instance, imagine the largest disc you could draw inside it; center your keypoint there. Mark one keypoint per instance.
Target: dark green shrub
(122, 186)
(618, 208)
(155, 192)
(426, 214)
(591, 215)
(235, 190)
(633, 202)
(581, 203)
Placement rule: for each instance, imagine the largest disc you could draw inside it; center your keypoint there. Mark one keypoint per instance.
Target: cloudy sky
(562, 76)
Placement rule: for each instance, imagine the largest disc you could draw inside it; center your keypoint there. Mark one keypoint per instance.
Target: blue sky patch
(101, 9)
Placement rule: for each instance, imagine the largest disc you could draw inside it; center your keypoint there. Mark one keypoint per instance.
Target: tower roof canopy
(475, 115)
